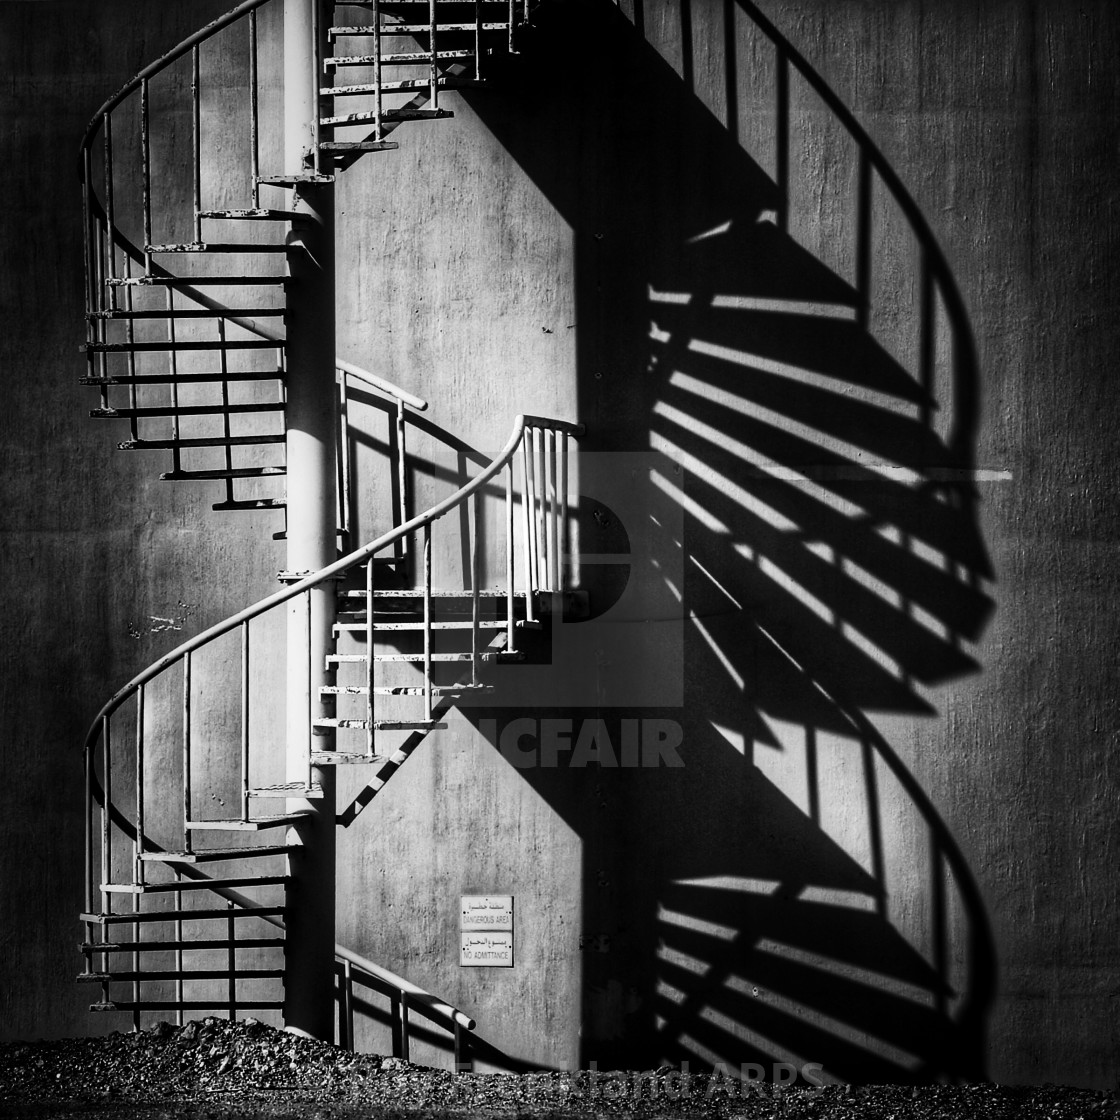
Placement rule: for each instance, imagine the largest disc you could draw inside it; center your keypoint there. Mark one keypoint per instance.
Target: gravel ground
(213, 1070)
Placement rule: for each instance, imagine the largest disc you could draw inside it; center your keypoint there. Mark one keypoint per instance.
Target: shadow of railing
(782, 327)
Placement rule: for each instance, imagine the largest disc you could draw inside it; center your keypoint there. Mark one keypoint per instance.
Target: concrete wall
(889, 851)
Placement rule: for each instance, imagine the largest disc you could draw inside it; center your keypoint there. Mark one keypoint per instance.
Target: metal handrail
(263, 330)
(340, 566)
(153, 68)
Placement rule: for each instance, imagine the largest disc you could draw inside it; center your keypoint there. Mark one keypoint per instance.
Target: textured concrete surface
(891, 847)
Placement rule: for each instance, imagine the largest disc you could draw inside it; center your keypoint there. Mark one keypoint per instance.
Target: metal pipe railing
(526, 430)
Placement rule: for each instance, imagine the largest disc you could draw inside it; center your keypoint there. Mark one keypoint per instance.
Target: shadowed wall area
(847, 517)
(796, 349)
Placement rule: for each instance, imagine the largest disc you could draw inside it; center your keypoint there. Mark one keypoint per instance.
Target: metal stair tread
(348, 658)
(356, 31)
(381, 724)
(418, 593)
(184, 410)
(389, 115)
(174, 1006)
(199, 915)
(401, 59)
(185, 344)
(254, 824)
(216, 855)
(401, 689)
(407, 85)
(227, 472)
(176, 885)
(288, 789)
(250, 504)
(217, 247)
(346, 758)
(175, 974)
(184, 313)
(293, 180)
(184, 378)
(163, 946)
(198, 441)
(358, 146)
(360, 627)
(256, 213)
(196, 281)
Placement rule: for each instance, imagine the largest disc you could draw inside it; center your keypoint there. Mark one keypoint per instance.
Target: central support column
(311, 534)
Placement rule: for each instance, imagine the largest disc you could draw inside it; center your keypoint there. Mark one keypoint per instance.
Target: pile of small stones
(217, 1070)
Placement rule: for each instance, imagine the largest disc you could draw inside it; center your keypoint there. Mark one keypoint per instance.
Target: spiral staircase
(186, 912)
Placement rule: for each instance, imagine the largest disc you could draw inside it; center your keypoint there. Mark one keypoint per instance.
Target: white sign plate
(486, 950)
(486, 912)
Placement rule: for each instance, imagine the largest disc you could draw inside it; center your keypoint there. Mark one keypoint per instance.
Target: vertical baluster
(106, 816)
(307, 680)
(106, 299)
(527, 521)
(110, 207)
(347, 996)
(223, 360)
(196, 139)
(136, 927)
(477, 503)
(434, 63)
(402, 473)
(186, 750)
(511, 15)
(146, 170)
(110, 239)
(343, 456)
(542, 513)
(531, 506)
(179, 961)
(130, 335)
(173, 364)
(510, 628)
(378, 107)
(138, 871)
(316, 85)
(781, 141)
(87, 237)
(371, 664)
(231, 961)
(254, 110)
(562, 544)
(395, 1022)
(245, 720)
(404, 1026)
(478, 40)
(552, 463)
(90, 761)
(525, 11)
(427, 544)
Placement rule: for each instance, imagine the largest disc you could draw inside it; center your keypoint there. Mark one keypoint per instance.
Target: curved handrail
(153, 68)
(261, 330)
(386, 387)
(343, 564)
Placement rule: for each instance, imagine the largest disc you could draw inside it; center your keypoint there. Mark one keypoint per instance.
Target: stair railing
(543, 444)
(100, 214)
(404, 998)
